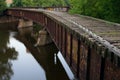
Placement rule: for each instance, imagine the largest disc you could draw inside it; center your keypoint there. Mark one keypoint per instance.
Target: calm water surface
(21, 60)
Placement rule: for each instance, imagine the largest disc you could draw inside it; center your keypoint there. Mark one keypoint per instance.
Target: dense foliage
(40, 3)
(2, 6)
(104, 9)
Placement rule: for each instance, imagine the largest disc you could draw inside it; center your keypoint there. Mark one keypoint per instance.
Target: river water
(21, 60)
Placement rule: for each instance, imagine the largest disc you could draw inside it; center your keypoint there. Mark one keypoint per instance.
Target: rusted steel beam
(71, 46)
(95, 65)
(88, 63)
(63, 42)
(55, 33)
(68, 47)
(58, 36)
(83, 61)
(75, 50)
(102, 68)
(78, 59)
(57, 39)
(61, 39)
(111, 72)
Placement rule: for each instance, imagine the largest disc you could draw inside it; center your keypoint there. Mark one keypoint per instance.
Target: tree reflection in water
(43, 54)
(6, 55)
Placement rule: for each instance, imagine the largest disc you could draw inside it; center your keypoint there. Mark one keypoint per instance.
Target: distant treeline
(40, 3)
(103, 9)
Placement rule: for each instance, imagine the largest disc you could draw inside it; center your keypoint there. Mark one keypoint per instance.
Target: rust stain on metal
(83, 61)
(68, 48)
(112, 72)
(95, 65)
(74, 54)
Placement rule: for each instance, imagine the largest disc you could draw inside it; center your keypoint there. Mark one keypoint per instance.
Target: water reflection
(45, 56)
(6, 55)
(18, 58)
(26, 67)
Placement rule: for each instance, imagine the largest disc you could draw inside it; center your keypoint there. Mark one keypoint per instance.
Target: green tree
(28, 3)
(39, 3)
(2, 6)
(7, 54)
(17, 3)
(104, 9)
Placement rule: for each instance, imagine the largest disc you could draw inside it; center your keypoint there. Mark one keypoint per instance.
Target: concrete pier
(24, 23)
(43, 38)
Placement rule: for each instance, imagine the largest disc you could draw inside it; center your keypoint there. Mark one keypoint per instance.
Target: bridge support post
(24, 23)
(43, 38)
